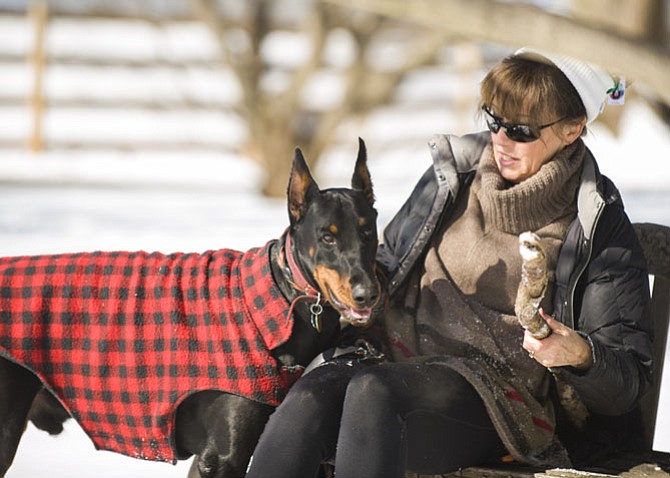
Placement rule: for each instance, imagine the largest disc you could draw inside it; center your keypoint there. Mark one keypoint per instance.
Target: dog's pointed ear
(301, 187)
(361, 178)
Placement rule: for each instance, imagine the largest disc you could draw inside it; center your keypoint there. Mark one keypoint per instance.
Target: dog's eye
(328, 239)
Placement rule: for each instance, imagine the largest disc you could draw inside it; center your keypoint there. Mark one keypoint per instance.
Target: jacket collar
(590, 201)
(454, 155)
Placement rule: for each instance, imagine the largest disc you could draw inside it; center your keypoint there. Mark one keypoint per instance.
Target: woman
(467, 386)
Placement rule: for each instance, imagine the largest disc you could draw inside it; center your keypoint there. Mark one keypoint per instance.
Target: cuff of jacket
(596, 386)
(594, 358)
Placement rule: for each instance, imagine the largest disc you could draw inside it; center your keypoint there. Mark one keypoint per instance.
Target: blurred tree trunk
(278, 118)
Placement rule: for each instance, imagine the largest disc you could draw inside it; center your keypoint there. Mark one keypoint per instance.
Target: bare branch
(518, 25)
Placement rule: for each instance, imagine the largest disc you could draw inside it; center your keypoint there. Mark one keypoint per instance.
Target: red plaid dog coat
(122, 338)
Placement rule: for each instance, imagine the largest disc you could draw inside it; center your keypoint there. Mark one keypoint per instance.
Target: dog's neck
(293, 282)
(294, 272)
(306, 340)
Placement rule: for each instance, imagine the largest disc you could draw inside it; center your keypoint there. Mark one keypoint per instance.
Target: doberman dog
(316, 279)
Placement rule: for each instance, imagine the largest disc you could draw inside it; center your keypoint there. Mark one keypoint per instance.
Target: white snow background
(62, 201)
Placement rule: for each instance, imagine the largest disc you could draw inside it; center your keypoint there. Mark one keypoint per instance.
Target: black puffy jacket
(602, 288)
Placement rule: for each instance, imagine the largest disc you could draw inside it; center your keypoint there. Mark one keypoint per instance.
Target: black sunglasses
(521, 133)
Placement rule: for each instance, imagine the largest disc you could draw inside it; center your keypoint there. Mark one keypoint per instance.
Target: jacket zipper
(589, 244)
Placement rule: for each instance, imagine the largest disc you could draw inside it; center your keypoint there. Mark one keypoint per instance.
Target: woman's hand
(564, 347)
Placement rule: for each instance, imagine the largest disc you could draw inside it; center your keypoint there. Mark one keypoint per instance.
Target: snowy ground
(183, 201)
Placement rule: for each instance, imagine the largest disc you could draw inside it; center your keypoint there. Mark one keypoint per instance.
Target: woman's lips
(506, 159)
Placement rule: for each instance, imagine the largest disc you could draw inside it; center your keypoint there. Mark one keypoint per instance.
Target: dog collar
(300, 283)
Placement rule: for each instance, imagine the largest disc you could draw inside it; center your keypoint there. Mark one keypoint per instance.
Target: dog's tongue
(359, 314)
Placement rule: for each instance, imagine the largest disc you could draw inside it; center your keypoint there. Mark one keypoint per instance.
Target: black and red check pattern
(121, 338)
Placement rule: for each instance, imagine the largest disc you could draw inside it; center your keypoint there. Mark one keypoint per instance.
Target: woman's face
(519, 161)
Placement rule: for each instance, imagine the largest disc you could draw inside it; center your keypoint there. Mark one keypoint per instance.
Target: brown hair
(530, 92)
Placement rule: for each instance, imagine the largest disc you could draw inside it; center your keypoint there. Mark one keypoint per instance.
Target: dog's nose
(363, 295)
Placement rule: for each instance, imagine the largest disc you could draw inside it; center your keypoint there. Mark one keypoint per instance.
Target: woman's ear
(572, 131)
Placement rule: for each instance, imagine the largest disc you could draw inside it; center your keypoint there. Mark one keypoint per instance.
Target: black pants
(382, 420)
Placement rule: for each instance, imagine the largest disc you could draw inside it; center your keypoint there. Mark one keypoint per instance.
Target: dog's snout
(364, 295)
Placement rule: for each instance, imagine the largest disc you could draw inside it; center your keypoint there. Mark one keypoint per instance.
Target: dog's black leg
(19, 387)
(47, 413)
(221, 430)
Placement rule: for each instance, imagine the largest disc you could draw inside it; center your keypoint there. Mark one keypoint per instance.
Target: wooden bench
(655, 240)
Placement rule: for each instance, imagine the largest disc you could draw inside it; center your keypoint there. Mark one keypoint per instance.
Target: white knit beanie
(591, 82)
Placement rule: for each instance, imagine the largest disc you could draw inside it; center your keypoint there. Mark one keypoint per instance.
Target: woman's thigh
(314, 404)
(302, 431)
(446, 425)
(410, 386)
